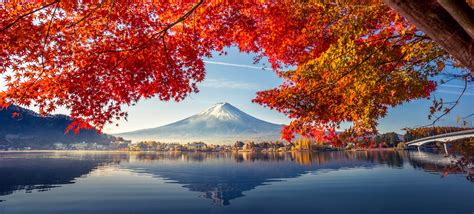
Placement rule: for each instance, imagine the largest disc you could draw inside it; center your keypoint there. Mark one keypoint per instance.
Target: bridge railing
(451, 134)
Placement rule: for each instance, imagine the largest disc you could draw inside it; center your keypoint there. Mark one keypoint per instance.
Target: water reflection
(41, 174)
(224, 177)
(43, 171)
(220, 177)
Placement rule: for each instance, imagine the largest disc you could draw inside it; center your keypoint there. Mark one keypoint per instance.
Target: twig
(108, 15)
(87, 15)
(27, 14)
(448, 110)
(45, 42)
(166, 51)
(160, 33)
(468, 116)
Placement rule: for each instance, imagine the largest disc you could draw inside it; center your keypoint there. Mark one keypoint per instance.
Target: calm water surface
(330, 182)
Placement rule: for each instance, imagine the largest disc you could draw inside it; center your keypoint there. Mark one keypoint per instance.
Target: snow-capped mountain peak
(223, 111)
(220, 123)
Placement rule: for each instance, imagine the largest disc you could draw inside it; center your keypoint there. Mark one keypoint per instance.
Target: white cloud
(229, 84)
(454, 92)
(237, 65)
(454, 86)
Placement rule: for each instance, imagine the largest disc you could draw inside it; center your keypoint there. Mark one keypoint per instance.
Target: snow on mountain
(222, 123)
(223, 111)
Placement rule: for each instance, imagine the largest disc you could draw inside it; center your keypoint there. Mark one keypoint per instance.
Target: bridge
(442, 138)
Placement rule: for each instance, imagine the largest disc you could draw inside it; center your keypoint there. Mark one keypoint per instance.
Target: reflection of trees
(465, 164)
(391, 159)
(148, 157)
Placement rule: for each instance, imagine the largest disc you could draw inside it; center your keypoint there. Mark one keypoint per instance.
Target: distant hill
(31, 129)
(222, 123)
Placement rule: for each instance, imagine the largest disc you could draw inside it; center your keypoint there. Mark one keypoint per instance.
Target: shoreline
(120, 151)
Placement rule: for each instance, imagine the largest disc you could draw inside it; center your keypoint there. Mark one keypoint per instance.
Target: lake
(146, 182)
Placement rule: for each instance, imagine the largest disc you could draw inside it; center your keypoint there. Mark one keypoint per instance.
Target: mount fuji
(222, 123)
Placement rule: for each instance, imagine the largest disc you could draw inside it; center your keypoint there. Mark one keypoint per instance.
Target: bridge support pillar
(419, 148)
(445, 148)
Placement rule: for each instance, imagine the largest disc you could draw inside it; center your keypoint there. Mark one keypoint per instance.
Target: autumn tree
(376, 60)
(94, 57)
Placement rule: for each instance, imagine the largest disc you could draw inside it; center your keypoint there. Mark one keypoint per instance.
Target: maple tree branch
(120, 62)
(160, 33)
(398, 60)
(165, 50)
(468, 116)
(108, 15)
(448, 110)
(27, 14)
(45, 42)
(87, 15)
(453, 76)
(333, 82)
(42, 52)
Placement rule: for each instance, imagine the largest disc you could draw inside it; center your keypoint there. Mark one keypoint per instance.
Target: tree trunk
(431, 18)
(461, 12)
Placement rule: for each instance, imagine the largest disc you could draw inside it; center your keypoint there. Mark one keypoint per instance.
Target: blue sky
(235, 79)
(232, 78)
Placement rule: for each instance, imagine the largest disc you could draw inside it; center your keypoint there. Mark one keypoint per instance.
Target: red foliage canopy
(94, 57)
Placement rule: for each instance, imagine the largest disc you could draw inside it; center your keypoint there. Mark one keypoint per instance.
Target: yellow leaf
(440, 65)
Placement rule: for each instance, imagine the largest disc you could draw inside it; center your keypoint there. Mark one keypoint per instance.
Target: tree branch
(27, 14)
(45, 42)
(158, 34)
(108, 15)
(166, 50)
(448, 110)
(468, 116)
(87, 15)
(461, 12)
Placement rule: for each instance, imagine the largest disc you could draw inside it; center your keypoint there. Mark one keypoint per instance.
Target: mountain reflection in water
(220, 177)
(223, 177)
